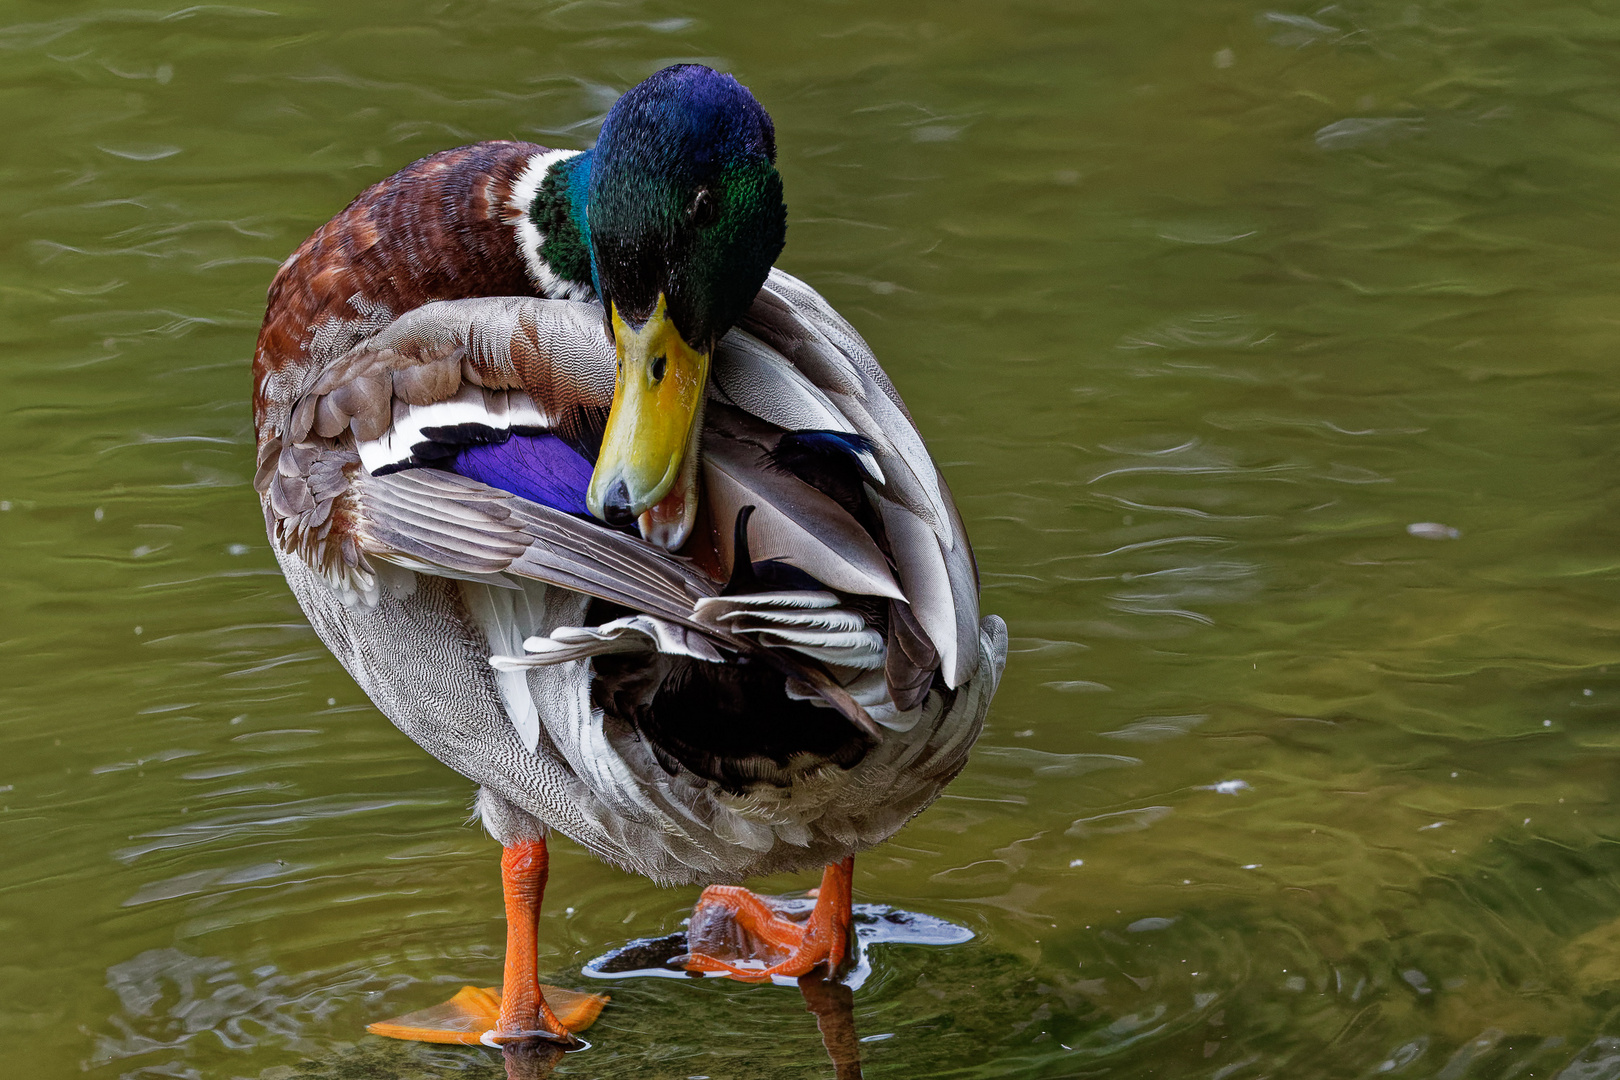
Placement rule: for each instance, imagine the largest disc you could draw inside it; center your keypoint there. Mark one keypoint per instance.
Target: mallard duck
(622, 524)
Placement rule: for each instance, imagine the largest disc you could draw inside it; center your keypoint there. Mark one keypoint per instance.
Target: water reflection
(833, 1005)
(170, 998)
(830, 1003)
(533, 1060)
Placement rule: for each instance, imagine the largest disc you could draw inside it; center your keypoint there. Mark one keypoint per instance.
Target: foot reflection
(833, 1004)
(534, 1059)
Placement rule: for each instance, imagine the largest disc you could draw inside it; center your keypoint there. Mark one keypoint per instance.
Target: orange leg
(524, 1012)
(519, 1010)
(757, 932)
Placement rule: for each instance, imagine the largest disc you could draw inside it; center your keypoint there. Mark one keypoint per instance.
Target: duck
(624, 524)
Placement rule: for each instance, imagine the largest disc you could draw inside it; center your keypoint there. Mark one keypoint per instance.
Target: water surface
(1268, 349)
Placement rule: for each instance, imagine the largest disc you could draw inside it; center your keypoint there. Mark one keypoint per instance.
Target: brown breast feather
(439, 229)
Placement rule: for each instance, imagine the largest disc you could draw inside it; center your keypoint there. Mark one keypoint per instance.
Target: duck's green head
(683, 219)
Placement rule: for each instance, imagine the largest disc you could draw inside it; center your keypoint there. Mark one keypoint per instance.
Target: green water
(1200, 304)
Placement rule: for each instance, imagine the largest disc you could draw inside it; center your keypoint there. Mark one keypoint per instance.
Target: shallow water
(1268, 349)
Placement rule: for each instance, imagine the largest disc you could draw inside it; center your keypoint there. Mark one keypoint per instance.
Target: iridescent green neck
(559, 213)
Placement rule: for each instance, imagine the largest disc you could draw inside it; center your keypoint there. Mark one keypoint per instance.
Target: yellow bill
(652, 425)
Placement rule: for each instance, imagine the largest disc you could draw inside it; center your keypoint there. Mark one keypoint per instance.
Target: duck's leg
(524, 1011)
(519, 1010)
(741, 923)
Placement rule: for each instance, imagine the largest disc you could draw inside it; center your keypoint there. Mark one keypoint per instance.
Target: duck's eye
(704, 208)
(657, 370)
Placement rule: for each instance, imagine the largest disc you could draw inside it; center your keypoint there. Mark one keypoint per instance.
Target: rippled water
(1269, 350)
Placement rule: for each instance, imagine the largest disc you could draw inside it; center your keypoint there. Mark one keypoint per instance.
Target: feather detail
(309, 512)
(752, 376)
(933, 560)
(910, 660)
(504, 615)
(807, 622)
(793, 522)
(635, 633)
(551, 350)
(500, 409)
(439, 228)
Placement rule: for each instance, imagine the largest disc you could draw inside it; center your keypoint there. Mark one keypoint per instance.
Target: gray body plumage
(461, 609)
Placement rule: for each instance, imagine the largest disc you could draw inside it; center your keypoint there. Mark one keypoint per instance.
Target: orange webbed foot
(735, 921)
(472, 1018)
(523, 1010)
